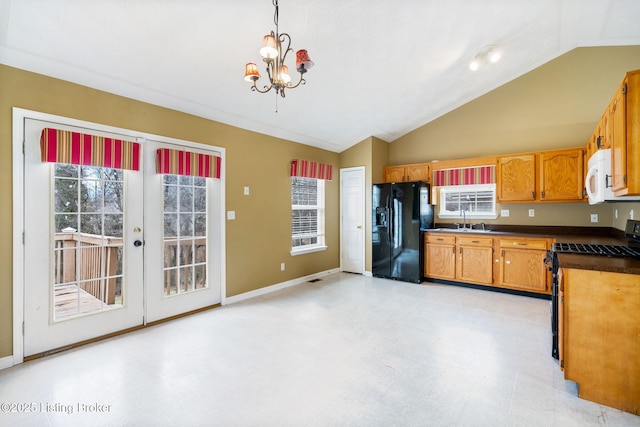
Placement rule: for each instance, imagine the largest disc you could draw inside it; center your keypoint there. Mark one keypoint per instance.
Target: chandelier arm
(284, 37)
(256, 89)
(301, 82)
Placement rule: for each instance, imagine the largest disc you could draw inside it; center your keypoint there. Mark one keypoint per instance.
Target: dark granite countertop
(585, 235)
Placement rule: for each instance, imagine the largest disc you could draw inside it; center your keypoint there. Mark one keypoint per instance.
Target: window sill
(308, 250)
(476, 216)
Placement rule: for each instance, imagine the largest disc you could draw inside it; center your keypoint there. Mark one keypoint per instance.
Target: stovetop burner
(603, 250)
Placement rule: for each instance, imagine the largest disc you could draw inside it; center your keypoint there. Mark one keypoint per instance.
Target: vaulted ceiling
(382, 67)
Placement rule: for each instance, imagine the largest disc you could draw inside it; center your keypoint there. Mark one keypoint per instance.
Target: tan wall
(554, 106)
(257, 241)
(373, 154)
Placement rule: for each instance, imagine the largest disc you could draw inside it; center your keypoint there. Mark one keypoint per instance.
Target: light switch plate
(532, 212)
(231, 215)
(246, 190)
(594, 217)
(504, 212)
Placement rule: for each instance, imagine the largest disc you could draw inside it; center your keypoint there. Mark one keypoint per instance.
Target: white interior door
(83, 272)
(352, 224)
(183, 224)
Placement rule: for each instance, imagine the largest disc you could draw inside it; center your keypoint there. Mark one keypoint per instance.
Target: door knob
(137, 243)
(359, 226)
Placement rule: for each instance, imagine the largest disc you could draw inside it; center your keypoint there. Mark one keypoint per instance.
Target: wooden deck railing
(93, 270)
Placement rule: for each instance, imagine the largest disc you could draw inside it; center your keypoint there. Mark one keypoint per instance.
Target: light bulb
(474, 65)
(494, 57)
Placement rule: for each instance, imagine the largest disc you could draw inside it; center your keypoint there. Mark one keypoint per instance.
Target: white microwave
(598, 180)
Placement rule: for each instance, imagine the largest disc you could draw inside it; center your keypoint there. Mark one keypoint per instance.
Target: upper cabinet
(561, 175)
(516, 178)
(548, 176)
(619, 130)
(408, 173)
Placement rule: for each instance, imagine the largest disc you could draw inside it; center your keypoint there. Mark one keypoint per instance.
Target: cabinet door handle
(475, 241)
(542, 195)
(522, 244)
(533, 195)
(502, 253)
(440, 239)
(453, 249)
(460, 251)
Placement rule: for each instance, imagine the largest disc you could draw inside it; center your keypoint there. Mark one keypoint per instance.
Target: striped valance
(308, 169)
(465, 176)
(179, 162)
(62, 146)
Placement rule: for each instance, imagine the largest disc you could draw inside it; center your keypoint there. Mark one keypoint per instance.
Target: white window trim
(469, 215)
(318, 247)
(308, 249)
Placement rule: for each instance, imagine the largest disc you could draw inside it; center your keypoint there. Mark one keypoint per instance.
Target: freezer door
(381, 246)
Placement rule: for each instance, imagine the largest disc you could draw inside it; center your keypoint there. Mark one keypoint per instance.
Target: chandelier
(274, 52)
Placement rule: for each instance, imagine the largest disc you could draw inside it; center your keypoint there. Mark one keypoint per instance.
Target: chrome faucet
(464, 219)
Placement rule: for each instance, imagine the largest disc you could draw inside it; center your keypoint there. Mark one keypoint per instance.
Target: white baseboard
(6, 362)
(368, 274)
(277, 287)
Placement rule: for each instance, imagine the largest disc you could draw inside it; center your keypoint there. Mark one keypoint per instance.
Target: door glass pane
(88, 240)
(185, 217)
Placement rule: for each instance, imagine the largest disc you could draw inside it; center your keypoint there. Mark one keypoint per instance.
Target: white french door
(183, 238)
(107, 249)
(83, 275)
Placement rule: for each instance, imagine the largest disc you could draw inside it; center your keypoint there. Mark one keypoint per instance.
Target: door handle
(137, 243)
(359, 227)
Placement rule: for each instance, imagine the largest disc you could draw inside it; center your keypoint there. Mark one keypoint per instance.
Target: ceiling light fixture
(488, 55)
(274, 52)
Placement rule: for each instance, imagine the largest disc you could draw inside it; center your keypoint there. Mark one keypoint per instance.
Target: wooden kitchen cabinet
(516, 178)
(561, 175)
(522, 264)
(475, 259)
(408, 173)
(617, 114)
(547, 176)
(624, 131)
(599, 336)
(440, 256)
(600, 138)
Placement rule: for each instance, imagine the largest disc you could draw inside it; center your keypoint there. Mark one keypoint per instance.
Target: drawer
(524, 243)
(440, 239)
(475, 241)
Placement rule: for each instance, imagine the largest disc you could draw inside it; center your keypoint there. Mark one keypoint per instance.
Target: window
(477, 201)
(307, 215)
(185, 234)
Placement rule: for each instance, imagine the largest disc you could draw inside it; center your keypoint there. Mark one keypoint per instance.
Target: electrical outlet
(631, 214)
(594, 217)
(504, 212)
(615, 213)
(282, 266)
(532, 212)
(246, 190)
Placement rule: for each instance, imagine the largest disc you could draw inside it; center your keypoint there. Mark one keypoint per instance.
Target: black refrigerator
(400, 211)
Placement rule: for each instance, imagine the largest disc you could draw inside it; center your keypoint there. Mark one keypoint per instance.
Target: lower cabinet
(522, 264)
(599, 336)
(514, 263)
(461, 258)
(440, 256)
(475, 260)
